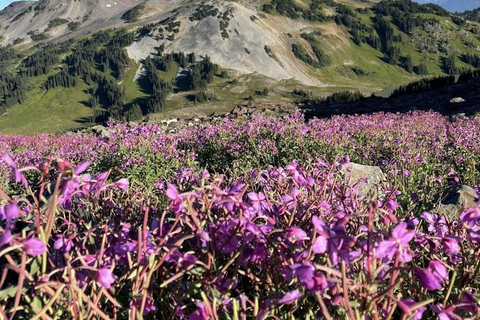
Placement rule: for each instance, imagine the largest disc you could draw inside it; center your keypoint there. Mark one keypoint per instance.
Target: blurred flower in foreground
(397, 243)
(105, 277)
(431, 278)
(34, 247)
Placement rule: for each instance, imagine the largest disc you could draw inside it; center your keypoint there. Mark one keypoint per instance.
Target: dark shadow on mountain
(190, 97)
(460, 96)
(100, 116)
(142, 102)
(181, 82)
(84, 120)
(144, 85)
(85, 103)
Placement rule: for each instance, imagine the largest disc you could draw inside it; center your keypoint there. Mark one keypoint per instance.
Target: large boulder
(457, 100)
(101, 132)
(454, 200)
(368, 177)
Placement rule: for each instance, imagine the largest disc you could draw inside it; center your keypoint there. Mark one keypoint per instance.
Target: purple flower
(174, 195)
(436, 224)
(82, 167)
(469, 303)
(204, 238)
(392, 205)
(290, 297)
(258, 201)
(172, 192)
(397, 243)
(470, 216)
(450, 243)
(306, 277)
(445, 313)
(432, 277)
(62, 243)
(15, 173)
(414, 197)
(6, 237)
(201, 313)
(438, 269)
(295, 234)
(9, 211)
(34, 247)
(427, 279)
(226, 241)
(406, 304)
(304, 272)
(105, 277)
(320, 244)
(187, 260)
(81, 277)
(122, 184)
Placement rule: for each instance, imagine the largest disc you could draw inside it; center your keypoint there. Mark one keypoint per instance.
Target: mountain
(36, 17)
(16, 7)
(454, 5)
(81, 62)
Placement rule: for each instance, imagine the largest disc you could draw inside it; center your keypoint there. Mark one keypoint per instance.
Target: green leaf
(151, 261)
(133, 274)
(36, 264)
(198, 271)
(216, 294)
(9, 292)
(37, 302)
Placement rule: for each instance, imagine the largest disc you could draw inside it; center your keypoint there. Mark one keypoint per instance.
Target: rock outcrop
(368, 177)
(454, 200)
(457, 100)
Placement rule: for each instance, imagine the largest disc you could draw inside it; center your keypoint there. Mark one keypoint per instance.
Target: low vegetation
(240, 220)
(391, 42)
(133, 14)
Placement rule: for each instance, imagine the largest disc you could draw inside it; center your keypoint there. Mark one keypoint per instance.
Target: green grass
(133, 89)
(54, 111)
(365, 57)
(171, 73)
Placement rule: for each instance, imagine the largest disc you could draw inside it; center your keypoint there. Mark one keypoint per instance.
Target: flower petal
(427, 279)
(290, 297)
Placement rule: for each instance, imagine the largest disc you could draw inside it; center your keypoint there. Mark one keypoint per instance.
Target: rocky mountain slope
(21, 19)
(239, 45)
(148, 58)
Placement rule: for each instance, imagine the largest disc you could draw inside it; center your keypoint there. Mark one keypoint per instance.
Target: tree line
(12, 90)
(436, 82)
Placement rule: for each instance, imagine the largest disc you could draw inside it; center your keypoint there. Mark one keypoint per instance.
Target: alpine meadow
(239, 159)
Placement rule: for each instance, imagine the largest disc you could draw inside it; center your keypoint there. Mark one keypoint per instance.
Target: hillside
(455, 97)
(151, 57)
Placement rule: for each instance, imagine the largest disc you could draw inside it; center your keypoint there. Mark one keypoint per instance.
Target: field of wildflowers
(244, 220)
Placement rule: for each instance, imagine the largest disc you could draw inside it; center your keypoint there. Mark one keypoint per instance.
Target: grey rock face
(454, 200)
(355, 172)
(101, 132)
(105, 134)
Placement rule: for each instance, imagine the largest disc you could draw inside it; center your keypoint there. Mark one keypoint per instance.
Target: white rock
(457, 100)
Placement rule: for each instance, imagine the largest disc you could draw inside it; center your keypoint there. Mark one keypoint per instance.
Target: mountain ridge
(158, 56)
(454, 5)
